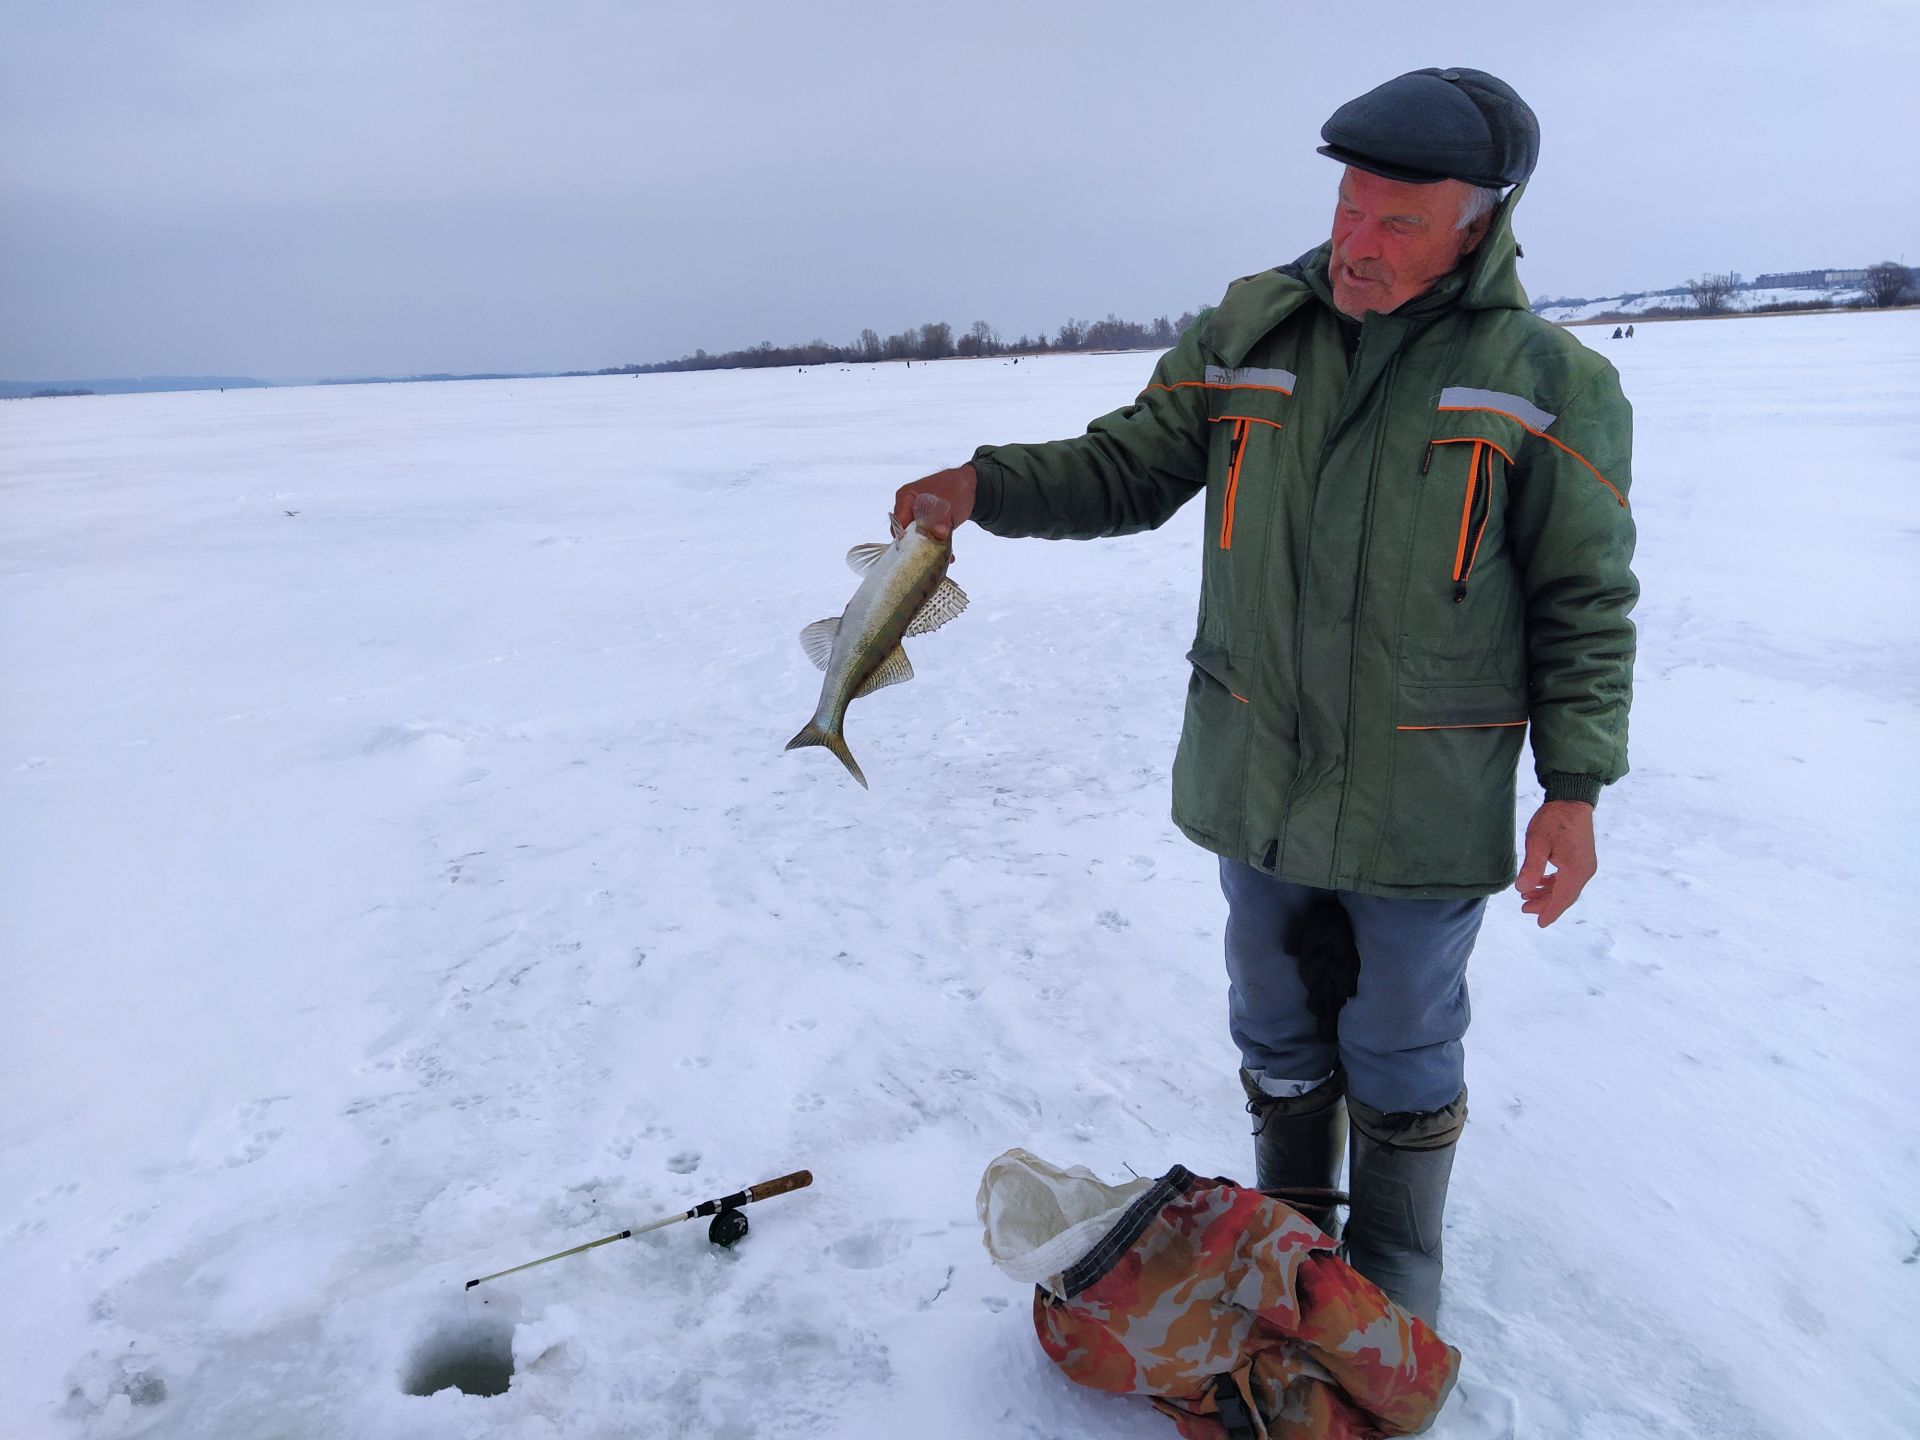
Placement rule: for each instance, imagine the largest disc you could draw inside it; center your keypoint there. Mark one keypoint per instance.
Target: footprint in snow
(1112, 920)
(106, 1390)
(242, 1138)
(622, 1147)
(1478, 1409)
(132, 1218)
(251, 1149)
(684, 1163)
(873, 1246)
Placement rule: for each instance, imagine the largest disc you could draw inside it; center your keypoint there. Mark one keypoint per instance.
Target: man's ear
(1477, 231)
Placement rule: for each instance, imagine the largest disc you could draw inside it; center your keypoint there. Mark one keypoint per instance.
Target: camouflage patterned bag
(1223, 1306)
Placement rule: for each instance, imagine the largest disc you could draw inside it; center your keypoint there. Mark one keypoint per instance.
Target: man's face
(1392, 240)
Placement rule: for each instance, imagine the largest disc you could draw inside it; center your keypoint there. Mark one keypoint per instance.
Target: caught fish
(903, 591)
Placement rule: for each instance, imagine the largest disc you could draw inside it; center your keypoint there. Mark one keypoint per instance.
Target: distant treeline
(136, 385)
(440, 376)
(935, 341)
(1693, 312)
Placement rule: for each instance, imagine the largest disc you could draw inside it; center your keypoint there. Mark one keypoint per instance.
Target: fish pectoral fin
(946, 602)
(861, 558)
(895, 526)
(817, 640)
(894, 670)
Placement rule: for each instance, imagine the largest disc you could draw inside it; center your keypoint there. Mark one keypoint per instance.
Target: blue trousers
(1400, 1034)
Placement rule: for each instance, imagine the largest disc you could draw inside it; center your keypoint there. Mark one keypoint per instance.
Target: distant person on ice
(1416, 555)
(1629, 332)
(1616, 332)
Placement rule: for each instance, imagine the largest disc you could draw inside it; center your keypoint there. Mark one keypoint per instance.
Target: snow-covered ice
(403, 879)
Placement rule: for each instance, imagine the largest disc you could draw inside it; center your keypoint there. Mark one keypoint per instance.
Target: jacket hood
(1493, 277)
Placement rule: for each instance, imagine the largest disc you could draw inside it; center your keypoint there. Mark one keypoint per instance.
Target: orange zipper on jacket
(1466, 510)
(1476, 507)
(1233, 483)
(1479, 510)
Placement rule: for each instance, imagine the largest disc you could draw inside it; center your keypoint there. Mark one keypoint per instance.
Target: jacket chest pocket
(1463, 477)
(1248, 409)
(1232, 432)
(1468, 466)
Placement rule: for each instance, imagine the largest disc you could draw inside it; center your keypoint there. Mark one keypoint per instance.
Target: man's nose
(1363, 241)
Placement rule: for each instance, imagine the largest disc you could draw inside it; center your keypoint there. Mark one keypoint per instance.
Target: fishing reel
(728, 1227)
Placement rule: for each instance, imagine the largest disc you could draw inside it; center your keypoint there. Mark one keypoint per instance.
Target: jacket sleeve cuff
(1562, 786)
(988, 478)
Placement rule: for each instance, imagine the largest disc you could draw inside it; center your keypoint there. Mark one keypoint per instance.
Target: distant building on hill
(1808, 280)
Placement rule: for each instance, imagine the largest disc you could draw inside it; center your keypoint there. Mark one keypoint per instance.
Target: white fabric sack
(1040, 1219)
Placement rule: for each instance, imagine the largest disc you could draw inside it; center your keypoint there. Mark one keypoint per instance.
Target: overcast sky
(326, 187)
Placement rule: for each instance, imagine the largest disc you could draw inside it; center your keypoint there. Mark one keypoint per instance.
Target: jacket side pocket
(1210, 766)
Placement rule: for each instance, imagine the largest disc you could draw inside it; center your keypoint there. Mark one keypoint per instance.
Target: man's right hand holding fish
(955, 486)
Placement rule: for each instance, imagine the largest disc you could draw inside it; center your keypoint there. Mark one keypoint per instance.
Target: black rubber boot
(1401, 1166)
(1299, 1142)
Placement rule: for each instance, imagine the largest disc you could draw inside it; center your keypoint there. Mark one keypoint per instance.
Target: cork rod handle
(798, 1180)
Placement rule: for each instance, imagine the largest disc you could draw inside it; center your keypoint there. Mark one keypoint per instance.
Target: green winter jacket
(1411, 559)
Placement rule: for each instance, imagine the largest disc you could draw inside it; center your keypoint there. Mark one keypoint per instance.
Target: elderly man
(1417, 549)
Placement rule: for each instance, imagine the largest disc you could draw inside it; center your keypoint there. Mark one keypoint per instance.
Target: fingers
(933, 513)
(1548, 900)
(955, 489)
(1568, 882)
(926, 509)
(1555, 894)
(903, 505)
(1533, 867)
(1548, 903)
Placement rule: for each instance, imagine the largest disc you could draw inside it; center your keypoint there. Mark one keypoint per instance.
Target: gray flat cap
(1437, 124)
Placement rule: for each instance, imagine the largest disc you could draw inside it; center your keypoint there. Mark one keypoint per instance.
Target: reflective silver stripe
(1465, 397)
(1251, 375)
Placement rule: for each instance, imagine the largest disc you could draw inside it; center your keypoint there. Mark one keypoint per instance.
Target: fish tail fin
(832, 740)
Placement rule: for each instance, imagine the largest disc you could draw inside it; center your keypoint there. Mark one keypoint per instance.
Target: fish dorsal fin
(817, 640)
(893, 670)
(861, 558)
(947, 601)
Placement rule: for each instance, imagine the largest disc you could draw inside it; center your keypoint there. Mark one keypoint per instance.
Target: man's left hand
(1560, 834)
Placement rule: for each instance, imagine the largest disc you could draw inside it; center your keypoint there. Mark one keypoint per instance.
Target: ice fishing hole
(474, 1357)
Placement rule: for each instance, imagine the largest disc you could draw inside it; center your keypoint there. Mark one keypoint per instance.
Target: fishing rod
(728, 1227)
